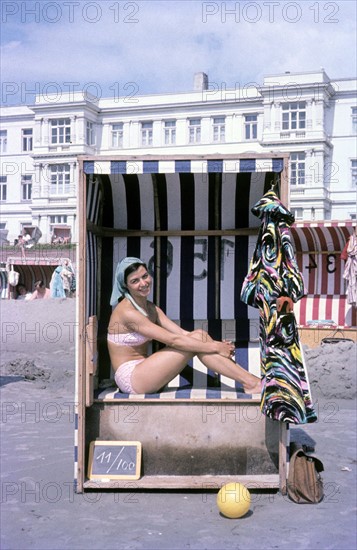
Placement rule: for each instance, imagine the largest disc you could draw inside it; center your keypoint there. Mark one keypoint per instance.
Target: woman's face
(139, 282)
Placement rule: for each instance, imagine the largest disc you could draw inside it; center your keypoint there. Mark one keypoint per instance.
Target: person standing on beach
(62, 280)
(67, 274)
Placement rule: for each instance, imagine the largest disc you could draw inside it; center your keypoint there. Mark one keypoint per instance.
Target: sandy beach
(40, 510)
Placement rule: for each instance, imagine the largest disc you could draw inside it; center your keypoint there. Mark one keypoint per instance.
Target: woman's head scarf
(120, 289)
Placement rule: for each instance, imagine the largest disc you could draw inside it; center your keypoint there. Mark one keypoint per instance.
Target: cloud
(12, 45)
(159, 45)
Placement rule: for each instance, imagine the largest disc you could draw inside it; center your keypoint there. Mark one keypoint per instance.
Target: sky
(117, 49)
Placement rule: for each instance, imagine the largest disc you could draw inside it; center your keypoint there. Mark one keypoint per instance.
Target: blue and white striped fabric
(200, 166)
(182, 393)
(197, 279)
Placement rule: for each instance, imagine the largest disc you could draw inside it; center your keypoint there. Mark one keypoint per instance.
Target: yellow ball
(233, 500)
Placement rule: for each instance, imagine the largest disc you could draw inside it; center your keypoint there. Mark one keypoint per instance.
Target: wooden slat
(91, 358)
(112, 232)
(318, 252)
(284, 184)
(81, 301)
(284, 440)
(166, 401)
(201, 482)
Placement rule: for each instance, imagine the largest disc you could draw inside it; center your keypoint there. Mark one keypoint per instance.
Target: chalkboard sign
(114, 460)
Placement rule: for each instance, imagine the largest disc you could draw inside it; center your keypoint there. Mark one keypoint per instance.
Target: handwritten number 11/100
(119, 463)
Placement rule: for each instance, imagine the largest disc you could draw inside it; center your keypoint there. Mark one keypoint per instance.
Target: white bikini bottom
(123, 375)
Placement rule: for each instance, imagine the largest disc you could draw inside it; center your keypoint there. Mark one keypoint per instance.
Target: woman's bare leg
(227, 367)
(161, 367)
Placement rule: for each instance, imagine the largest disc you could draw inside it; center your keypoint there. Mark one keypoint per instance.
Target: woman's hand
(226, 349)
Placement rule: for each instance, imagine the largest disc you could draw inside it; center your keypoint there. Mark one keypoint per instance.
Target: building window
(219, 129)
(26, 185)
(90, 133)
(250, 126)
(60, 178)
(27, 139)
(297, 168)
(3, 188)
(294, 115)
(117, 134)
(170, 132)
(3, 141)
(194, 135)
(298, 213)
(354, 120)
(354, 172)
(60, 131)
(58, 219)
(146, 133)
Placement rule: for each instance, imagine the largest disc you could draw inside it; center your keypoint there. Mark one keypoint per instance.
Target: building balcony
(295, 192)
(40, 254)
(58, 148)
(311, 193)
(295, 136)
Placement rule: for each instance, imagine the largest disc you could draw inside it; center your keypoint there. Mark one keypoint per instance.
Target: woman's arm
(133, 320)
(165, 322)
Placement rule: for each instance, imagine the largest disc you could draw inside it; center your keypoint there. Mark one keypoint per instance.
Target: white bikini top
(128, 339)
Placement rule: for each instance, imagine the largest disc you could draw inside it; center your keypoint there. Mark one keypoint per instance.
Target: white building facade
(308, 115)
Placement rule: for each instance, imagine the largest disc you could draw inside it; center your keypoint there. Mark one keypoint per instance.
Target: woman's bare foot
(254, 387)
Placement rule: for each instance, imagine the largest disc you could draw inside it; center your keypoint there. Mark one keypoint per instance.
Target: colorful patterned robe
(274, 273)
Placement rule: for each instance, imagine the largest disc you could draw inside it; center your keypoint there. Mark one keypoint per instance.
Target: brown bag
(305, 485)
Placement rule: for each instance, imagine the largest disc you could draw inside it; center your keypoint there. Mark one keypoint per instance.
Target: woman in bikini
(136, 321)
